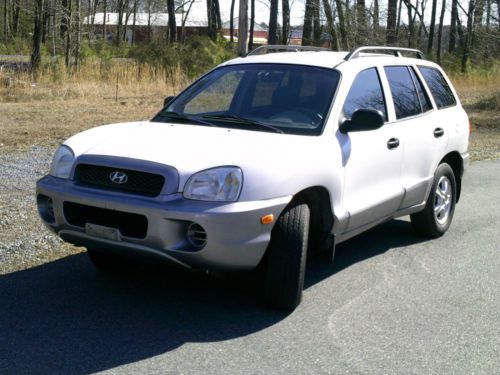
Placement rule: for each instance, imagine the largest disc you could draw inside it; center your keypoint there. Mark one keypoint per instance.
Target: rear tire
(436, 217)
(287, 258)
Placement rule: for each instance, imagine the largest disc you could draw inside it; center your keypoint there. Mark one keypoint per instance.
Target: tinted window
(422, 95)
(292, 98)
(404, 94)
(365, 93)
(439, 87)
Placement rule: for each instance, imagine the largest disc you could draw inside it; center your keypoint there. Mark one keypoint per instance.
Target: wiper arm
(243, 120)
(184, 117)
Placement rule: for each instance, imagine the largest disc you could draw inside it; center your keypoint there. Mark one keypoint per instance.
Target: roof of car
(326, 59)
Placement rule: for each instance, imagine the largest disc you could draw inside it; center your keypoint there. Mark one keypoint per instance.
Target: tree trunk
(307, 29)
(15, 18)
(390, 37)
(78, 35)
(469, 35)
(376, 12)
(231, 22)
(316, 23)
(453, 26)
(243, 28)
(105, 5)
(342, 25)
(118, 36)
(478, 13)
(488, 14)
(361, 29)
(68, 35)
(37, 36)
(172, 27)
(134, 19)
(440, 31)
(431, 27)
(331, 25)
(45, 23)
(5, 21)
(398, 21)
(252, 23)
(64, 19)
(285, 29)
(273, 23)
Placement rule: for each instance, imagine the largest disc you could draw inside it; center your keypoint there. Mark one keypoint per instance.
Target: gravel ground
(24, 241)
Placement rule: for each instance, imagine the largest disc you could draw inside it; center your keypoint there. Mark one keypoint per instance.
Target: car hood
(192, 148)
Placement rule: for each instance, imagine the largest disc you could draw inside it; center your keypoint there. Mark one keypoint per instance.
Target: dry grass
(57, 107)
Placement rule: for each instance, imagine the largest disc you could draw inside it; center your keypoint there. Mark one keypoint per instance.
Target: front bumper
(236, 238)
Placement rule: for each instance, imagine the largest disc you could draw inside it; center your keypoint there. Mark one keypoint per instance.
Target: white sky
(297, 10)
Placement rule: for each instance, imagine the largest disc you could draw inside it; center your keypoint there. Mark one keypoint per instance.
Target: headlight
(62, 162)
(217, 184)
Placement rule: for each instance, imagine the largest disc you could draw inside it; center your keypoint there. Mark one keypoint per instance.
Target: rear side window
(404, 94)
(365, 93)
(439, 87)
(422, 95)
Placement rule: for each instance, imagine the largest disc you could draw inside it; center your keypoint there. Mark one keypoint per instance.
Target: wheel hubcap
(442, 200)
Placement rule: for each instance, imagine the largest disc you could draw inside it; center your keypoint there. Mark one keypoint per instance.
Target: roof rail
(262, 50)
(396, 50)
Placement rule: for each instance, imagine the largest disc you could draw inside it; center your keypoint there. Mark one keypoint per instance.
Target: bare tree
(37, 35)
(231, 22)
(172, 26)
(273, 22)
(308, 24)
(285, 28)
(330, 25)
(431, 27)
(243, 28)
(453, 26)
(342, 25)
(469, 35)
(252, 23)
(440, 31)
(390, 38)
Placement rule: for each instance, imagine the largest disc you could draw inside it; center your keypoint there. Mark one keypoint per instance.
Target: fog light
(196, 235)
(46, 208)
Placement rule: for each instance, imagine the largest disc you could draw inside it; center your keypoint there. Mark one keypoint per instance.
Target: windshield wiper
(180, 116)
(242, 120)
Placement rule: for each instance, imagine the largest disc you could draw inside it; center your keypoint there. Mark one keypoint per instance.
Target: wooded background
(466, 32)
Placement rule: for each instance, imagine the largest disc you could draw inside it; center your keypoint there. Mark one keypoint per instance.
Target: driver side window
(365, 93)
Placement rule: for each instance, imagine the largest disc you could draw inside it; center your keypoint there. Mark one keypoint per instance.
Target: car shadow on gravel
(67, 317)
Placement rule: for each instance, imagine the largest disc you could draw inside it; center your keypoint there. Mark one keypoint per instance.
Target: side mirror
(363, 120)
(167, 100)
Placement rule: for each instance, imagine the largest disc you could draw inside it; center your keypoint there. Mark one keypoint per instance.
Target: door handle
(438, 132)
(392, 143)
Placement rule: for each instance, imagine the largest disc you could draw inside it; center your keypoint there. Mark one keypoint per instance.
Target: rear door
(372, 159)
(415, 116)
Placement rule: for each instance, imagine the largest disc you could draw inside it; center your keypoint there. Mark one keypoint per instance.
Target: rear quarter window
(438, 86)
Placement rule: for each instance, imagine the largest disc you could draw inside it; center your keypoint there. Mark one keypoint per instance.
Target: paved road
(392, 304)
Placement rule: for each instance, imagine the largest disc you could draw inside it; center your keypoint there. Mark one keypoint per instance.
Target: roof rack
(396, 50)
(262, 50)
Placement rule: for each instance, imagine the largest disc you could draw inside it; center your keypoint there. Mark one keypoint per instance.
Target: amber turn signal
(267, 219)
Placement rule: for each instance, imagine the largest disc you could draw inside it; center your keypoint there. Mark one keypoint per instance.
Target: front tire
(286, 261)
(437, 215)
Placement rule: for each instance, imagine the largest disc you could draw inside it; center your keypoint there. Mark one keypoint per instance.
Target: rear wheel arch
(455, 161)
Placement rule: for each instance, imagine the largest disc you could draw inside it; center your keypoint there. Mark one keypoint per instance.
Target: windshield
(292, 99)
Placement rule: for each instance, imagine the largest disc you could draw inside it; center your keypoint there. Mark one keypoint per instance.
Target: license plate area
(101, 231)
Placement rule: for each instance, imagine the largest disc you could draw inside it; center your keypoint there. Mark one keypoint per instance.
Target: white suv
(264, 160)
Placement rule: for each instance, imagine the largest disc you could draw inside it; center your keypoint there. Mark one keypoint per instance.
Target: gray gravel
(24, 241)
